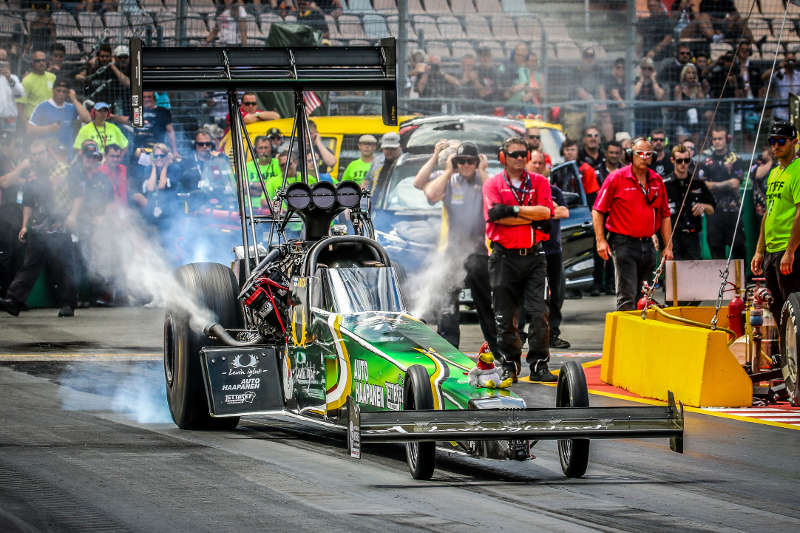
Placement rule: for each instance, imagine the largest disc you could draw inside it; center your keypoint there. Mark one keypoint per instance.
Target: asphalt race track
(87, 445)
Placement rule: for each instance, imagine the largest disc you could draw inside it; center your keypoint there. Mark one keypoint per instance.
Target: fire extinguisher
(735, 310)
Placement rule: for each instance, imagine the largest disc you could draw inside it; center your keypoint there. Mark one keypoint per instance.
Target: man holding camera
(51, 203)
(517, 207)
(10, 90)
(459, 188)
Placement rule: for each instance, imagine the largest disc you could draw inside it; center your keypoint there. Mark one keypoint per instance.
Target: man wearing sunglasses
(779, 238)
(459, 188)
(517, 207)
(204, 163)
(533, 136)
(699, 202)
(631, 207)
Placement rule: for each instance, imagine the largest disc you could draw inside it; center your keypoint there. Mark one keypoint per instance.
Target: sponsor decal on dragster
(245, 384)
(394, 396)
(366, 393)
(244, 364)
(238, 399)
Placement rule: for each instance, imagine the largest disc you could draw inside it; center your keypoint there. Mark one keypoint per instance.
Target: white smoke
(127, 255)
(137, 391)
(431, 286)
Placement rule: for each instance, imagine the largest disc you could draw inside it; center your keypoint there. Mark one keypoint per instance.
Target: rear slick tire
(213, 286)
(571, 391)
(790, 340)
(417, 395)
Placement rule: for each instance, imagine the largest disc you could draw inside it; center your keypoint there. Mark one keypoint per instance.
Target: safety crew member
(459, 188)
(632, 206)
(699, 201)
(776, 252)
(517, 207)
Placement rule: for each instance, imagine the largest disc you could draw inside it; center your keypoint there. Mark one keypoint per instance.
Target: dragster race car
(316, 327)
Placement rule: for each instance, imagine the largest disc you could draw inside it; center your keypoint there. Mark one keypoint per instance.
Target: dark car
(420, 135)
(408, 227)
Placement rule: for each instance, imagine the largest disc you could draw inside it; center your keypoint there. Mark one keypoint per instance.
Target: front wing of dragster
(554, 423)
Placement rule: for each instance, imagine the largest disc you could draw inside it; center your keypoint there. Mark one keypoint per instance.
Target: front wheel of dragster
(790, 339)
(571, 392)
(417, 395)
(214, 287)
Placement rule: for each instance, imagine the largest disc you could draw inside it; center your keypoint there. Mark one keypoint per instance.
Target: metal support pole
(241, 174)
(629, 66)
(402, 47)
(299, 119)
(180, 23)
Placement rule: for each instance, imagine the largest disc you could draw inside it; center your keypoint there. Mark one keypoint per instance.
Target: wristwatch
(516, 209)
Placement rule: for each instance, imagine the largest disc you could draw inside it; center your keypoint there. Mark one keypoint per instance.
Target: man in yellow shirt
(38, 84)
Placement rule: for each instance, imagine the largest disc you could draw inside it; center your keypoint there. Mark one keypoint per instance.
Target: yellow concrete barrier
(653, 356)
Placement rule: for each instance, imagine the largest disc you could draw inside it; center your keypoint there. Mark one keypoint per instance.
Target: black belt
(640, 239)
(536, 248)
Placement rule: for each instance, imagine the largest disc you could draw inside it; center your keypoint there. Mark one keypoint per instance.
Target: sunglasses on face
(780, 141)
(204, 143)
(682, 161)
(248, 103)
(534, 136)
(517, 154)
(659, 139)
(39, 60)
(159, 156)
(645, 154)
(466, 161)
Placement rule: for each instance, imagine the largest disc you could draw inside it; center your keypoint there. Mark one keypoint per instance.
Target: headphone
(501, 155)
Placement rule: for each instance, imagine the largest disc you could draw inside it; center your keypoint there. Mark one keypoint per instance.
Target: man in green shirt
(268, 166)
(357, 170)
(779, 238)
(38, 84)
(100, 130)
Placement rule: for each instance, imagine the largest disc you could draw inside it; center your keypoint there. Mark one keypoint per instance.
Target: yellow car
(340, 134)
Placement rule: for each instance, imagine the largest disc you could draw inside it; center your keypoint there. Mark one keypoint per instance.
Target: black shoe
(540, 372)
(509, 371)
(9, 306)
(66, 310)
(558, 342)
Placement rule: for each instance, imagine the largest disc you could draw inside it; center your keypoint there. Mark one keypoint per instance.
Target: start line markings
(778, 415)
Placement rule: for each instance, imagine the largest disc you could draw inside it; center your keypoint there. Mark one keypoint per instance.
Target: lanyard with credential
(520, 192)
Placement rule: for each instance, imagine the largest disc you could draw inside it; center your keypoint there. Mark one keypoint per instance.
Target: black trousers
(779, 285)
(557, 285)
(54, 252)
(686, 246)
(11, 250)
(719, 230)
(634, 260)
(477, 281)
(516, 281)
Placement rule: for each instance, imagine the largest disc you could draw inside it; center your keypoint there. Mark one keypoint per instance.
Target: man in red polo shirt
(632, 206)
(517, 207)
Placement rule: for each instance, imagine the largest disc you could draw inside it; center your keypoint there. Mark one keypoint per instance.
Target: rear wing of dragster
(554, 423)
(324, 68)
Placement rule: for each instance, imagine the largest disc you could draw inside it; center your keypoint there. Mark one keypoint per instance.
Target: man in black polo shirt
(686, 236)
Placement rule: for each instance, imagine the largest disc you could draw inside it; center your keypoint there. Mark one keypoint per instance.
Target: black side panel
(242, 381)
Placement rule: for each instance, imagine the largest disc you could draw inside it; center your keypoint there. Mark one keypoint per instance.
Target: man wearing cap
(517, 208)
(631, 206)
(275, 139)
(100, 130)
(459, 188)
(53, 118)
(268, 167)
(357, 170)
(776, 252)
(51, 203)
(384, 163)
(38, 84)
